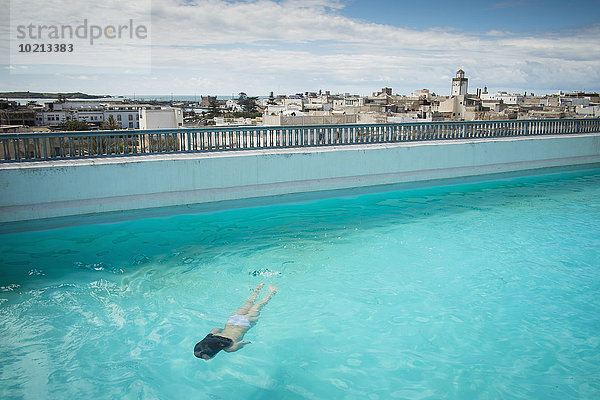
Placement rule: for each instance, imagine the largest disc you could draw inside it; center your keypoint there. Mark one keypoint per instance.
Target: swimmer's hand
(236, 346)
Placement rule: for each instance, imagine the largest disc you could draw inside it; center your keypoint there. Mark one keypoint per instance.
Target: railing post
(45, 148)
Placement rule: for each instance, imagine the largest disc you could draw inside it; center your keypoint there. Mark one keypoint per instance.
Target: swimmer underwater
(229, 338)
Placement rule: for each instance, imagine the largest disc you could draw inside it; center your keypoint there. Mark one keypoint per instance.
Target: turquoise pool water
(488, 290)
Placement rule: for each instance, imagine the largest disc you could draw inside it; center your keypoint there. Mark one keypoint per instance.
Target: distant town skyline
(356, 46)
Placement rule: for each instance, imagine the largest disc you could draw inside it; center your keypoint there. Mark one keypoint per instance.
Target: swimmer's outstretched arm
(235, 347)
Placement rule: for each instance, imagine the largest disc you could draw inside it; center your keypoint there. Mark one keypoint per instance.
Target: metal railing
(61, 145)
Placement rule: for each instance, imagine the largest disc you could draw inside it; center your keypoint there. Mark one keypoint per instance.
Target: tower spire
(459, 83)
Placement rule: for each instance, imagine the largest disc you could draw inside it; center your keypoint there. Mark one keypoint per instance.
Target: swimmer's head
(206, 350)
(211, 345)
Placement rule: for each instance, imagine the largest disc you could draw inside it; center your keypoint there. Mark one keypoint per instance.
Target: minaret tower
(460, 83)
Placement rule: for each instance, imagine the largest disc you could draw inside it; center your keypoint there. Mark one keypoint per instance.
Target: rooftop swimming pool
(479, 290)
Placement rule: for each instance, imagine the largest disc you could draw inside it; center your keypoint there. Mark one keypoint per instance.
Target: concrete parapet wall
(35, 190)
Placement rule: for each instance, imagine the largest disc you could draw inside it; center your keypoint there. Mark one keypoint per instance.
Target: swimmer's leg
(255, 309)
(250, 302)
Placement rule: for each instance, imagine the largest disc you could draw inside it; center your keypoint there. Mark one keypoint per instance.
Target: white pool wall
(36, 190)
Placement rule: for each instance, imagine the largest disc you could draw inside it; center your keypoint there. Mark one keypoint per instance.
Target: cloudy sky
(223, 47)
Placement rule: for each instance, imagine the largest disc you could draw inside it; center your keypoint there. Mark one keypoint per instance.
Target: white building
(589, 111)
(74, 104)
(460, 108)
(573, 101)
(348, 101)
(506, 98)
(321, 102)
(89, 115)
(50, 117)
(459, 83)
(222, 121)
(421, 93)
(57, 117)
(233, 105)
(163, 118)
(61, 112)
(293, 104)
(410, 117)
(125, 115)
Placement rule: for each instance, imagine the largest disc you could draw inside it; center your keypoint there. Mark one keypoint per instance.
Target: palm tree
(111, 124)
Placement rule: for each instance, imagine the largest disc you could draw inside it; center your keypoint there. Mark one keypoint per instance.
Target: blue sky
(477, 16)
(223, 47)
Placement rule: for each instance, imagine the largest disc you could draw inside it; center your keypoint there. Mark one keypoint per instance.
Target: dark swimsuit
(211, 345)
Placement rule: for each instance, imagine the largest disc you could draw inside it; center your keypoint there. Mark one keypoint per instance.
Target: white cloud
(222, 46)
(346, 51)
